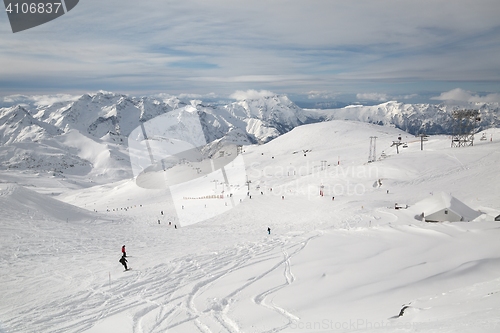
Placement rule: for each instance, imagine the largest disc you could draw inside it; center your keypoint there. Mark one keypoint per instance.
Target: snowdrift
(15, 200)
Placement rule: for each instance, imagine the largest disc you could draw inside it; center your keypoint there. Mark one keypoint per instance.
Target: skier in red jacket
(123, 251)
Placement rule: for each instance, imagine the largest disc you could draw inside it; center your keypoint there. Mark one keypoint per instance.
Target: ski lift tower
(373, 149)
(423, 138)
(397, 143)
(464, 127)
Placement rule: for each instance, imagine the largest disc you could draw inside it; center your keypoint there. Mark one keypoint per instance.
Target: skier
(123, 261)
(124, 253)
(268, 230)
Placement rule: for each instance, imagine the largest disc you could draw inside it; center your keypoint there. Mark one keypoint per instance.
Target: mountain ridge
(416, 119)
(32, 135)
(105, 113)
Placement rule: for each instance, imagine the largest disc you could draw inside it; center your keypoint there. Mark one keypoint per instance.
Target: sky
(365, 51)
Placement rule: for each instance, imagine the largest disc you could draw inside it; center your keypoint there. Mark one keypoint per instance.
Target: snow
(348, 264)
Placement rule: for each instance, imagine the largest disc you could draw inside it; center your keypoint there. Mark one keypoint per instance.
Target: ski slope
(344, 265)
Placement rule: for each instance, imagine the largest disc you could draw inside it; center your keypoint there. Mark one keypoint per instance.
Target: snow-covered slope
(18, 200)
(68, 154)
(343, 261)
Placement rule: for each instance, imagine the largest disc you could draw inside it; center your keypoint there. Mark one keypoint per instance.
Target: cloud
(14, 99)
(198, 96)
(321, 95)
(51, 99)
(37, 100)
(372, 97)
(251, 94)
(461, 95)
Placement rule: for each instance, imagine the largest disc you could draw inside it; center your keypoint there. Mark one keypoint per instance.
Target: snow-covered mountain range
(56, 137)
(107, 114)
(31, 134)
(417, 118)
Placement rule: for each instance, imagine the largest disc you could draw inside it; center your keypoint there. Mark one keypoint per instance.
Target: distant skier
(124, 253)
(123, 261)
(268, 230)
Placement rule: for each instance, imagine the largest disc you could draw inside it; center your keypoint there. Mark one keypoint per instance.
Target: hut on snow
(443, 207)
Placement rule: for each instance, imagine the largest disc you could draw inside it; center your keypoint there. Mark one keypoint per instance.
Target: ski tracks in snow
(174, 296)
(261, 298)
(180, 306)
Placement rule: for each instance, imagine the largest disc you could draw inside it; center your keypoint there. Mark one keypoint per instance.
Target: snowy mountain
(268, 117)
(102, 113)
(18, 125)
(30, 144)
(108, 113)
(416, 118)
(106, 120)
(26, 143)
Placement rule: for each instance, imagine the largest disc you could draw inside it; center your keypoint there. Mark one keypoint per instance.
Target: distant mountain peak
(18, 125)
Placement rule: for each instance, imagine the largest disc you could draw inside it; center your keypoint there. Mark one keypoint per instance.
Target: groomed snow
(349, 264)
